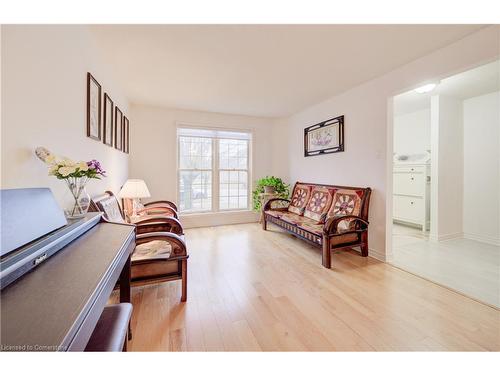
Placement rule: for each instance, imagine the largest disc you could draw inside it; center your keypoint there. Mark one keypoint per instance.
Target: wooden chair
(160, 253)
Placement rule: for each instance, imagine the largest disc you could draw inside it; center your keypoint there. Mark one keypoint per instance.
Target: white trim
(215, 166)
(446, 237)
(490, 240)
(211, 219)
(375, 254)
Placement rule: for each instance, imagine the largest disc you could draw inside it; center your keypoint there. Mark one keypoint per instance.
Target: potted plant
(269, 185)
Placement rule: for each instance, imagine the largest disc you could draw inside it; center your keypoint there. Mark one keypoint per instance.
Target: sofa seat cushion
(319, 203)
(276, 213)
(152, 250)
(300, 197)
(312, 226)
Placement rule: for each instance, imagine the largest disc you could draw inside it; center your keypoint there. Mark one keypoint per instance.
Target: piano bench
(110, 333)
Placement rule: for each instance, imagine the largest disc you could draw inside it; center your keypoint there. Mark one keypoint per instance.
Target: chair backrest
(351, 192)
(109, 205)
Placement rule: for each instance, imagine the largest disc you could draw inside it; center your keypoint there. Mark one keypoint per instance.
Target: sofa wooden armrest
(158, 210)
(161, 203)
(269, 203)
(177, 242)
(158, 224)
(331, 225)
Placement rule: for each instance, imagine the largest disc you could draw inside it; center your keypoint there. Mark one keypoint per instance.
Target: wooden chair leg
(184, 280)
(327, 255)
(364, 244)
(264, 223)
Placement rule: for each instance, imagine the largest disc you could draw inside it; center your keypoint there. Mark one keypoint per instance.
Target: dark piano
(56, 275)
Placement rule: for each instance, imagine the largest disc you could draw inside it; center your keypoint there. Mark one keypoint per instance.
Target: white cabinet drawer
(409, 183)
(409, 209)
(409, 169)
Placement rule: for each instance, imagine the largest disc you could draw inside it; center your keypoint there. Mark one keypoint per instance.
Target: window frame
(215, 168)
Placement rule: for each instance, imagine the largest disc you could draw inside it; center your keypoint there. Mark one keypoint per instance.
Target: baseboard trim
(372, 253)
(218, 218)
(480, 238)
(446, 237)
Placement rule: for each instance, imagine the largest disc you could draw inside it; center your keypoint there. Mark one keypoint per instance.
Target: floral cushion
(276, 213)
(152, 250)
(299, 199)
(346, 202)
(319, 204)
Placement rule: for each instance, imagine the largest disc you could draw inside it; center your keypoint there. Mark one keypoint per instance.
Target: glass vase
(78, 200)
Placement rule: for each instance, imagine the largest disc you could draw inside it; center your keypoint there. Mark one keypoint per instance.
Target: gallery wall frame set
(326, 137)
(105, 121)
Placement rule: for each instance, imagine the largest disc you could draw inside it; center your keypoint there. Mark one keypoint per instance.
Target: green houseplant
(281, 189)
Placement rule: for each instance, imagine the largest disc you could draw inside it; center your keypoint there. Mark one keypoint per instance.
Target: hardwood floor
(250, 290)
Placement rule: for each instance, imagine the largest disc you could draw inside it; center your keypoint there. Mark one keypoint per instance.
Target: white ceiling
(259, 70)
(479, 81)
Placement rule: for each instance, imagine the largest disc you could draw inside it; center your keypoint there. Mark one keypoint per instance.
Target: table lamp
(135, 190)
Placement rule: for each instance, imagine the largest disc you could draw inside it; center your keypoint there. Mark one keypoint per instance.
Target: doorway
(446, 182)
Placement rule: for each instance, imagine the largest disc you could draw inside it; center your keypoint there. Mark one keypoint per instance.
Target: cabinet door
(409, 183)
(409, 209)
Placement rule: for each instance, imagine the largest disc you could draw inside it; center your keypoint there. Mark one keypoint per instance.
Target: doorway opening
(446, 182)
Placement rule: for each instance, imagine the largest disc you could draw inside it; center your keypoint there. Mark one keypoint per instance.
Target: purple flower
(95, 165)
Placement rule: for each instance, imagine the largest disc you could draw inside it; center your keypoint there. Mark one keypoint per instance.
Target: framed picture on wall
(126, 133)
(118, 128)
(108, 121)
(93, 108)
(325, 137)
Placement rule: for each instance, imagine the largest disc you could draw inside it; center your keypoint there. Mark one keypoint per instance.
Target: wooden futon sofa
(327, 216)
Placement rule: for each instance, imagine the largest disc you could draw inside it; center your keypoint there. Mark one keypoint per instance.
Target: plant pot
(269, 189)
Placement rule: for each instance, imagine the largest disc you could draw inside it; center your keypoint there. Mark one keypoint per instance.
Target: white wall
(153, 153)
(446, 168)
(368, 142)
(44, 104)
(481, 219)
(412, 132)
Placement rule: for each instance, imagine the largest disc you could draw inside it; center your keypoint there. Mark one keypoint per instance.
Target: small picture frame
(94, 128)
(325, 137)
(118, 128)
(126, 141)
(108, 124)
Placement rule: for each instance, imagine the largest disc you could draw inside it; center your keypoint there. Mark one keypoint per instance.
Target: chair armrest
(268, 204)
(160, 203)
(178, 245)
(331, 225)
(159, 210)
(159, 224)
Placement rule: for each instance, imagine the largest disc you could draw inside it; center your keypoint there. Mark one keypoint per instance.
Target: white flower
(82, 166)
(66, 171)
(68, 162)
(53, 170)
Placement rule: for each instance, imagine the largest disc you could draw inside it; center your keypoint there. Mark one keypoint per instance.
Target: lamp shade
(134, 189)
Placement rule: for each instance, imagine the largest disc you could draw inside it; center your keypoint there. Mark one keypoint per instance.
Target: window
(213, 170)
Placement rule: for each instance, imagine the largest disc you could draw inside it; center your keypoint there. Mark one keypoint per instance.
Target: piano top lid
(27, 214)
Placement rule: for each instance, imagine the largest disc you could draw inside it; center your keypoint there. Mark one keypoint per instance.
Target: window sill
(207, 213)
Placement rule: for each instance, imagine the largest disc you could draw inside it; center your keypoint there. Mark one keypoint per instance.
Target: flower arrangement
(76, 175)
